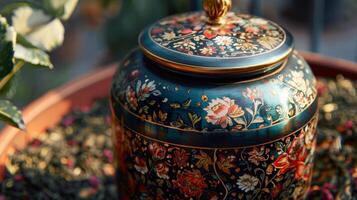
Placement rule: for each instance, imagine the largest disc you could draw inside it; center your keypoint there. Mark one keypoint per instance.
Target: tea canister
(214, 105)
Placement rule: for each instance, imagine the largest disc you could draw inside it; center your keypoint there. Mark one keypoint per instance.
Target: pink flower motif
(94, 181)
(68, 121)
(256, 156)
(134, 74)
(180, 157)
(252, 94)
(36, 143)
(72, 142)
(157, 151)
(19, 178)
(108, 154)
(220, 112)
(140, 165)
(252, 29)
(131, 98)
(349, 124)
(162, 170)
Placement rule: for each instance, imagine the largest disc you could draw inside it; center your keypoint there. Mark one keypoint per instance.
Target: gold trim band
(215, 70)
(315, 117)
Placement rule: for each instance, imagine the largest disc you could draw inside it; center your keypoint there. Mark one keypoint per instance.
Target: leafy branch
(36, 30)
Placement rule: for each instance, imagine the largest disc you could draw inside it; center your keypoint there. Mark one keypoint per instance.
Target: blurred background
(103, 31)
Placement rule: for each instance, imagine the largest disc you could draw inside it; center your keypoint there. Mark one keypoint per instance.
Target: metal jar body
(179, 137)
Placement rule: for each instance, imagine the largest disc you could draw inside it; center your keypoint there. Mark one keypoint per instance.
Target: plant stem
(8, 77)
(218, 176)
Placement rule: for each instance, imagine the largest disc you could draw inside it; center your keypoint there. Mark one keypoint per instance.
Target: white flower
(11, 35)
(245, 46)
(169, 36)
(223, 40)
(186, 44)
(146, 89)
(49, 36)
(220, 112)
(247, 182)
(208, 50)
(269, 42)
(298, 81)
(38, 28)
(25, 19)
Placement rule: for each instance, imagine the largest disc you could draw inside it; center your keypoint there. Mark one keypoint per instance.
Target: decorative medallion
(241, 36)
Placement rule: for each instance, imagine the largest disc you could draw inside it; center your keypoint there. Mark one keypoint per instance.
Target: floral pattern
(222, 111)
(157, 170)
(243, 35)
(247, 182)
(254, 105)
(190, 183)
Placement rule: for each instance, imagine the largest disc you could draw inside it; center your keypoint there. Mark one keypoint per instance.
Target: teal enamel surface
(162, 103)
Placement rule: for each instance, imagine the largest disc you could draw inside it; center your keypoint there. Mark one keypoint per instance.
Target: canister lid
(217, 42)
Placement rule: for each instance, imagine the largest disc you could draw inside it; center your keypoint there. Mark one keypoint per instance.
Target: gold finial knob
(216, 10)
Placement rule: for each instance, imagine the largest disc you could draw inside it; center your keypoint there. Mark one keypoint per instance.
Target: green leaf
(187, 103)
(62, 9)
(7, 42)
(33, 56)
(9, 8)
(175, 105)
(38, 28)
(194, 118)
(11, 115)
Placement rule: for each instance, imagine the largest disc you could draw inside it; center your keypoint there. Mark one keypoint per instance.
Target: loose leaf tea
(75, 161)
(71, 161)
(335, 171)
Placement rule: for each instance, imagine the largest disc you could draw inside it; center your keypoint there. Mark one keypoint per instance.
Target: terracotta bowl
(48, 110)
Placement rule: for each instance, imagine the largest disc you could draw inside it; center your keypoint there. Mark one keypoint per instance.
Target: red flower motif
(209, 34)
(157, 151)
(252, 29)
(140, 165)
(157, 31)
(180, 157)
(186, 31)
(294, 158)
(162, 170)
(131, 98)
(190, 183)
(134, 74)
(276, 190)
